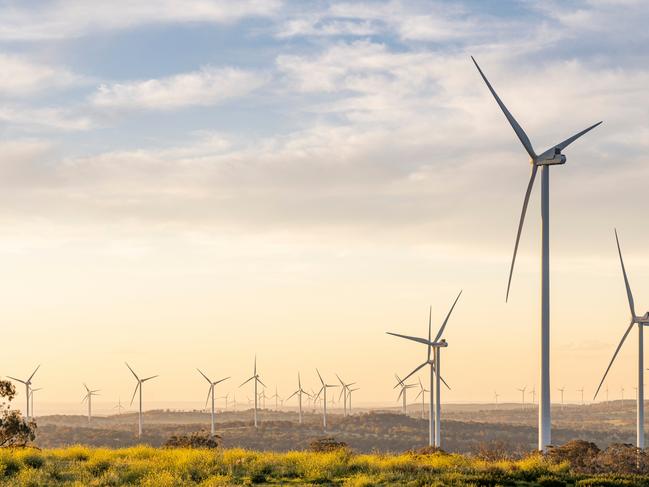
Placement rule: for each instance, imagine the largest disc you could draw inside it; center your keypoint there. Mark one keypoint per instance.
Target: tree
(14, 429)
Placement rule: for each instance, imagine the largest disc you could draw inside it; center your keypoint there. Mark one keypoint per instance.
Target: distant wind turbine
(210, 393)
(641, 321)
(582, 395)
(561, 390)
(119, 406)
(552, 156)
(422, 393)
(277, 398)
(433, 359)
(522, 391)
(343, 393)
(402, 393)
(350, 398)
(496, 396)
(138, 386)
(28, 386)
(299, 393)
(88, 397)
(323, 392)
(533, 394)
(255, 378)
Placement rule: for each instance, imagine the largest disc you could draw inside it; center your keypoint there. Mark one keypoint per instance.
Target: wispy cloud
(21, 77)
(57, 19)
(205, 87)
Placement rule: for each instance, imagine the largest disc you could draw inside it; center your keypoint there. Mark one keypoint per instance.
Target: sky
(189, 183)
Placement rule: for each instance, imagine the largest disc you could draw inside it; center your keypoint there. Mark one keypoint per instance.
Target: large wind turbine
(323, 391)
(138, 386)
(28, 386)
(210, 393)
(88, 397)
(641, 321)
(550, 157)
(255, 378)
(433, 346)
(31, 395)
(299, 393)
(402, 393)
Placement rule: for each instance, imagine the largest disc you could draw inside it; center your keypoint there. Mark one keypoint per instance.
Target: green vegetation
(148, 466)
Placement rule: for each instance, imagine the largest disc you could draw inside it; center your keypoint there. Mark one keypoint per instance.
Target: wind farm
(185, 185)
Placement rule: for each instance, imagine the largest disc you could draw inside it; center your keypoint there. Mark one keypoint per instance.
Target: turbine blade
(206, 378)
(441, 330)
(292, 395)
(613, 359)
(259, 380)
(129, 368)
(419, 367)
(441, 378)
(401, 393)
(414, 339)
(34, 373)
(84, 385)
(219, 381)
(420, 393)
(520, 226)
(319, 392)
(570, 140)
(18, 380)
(152, 377)
(247, 381)
(209, 391)
(319, 376)
(135, 391)
(522, 136)
(629, 294)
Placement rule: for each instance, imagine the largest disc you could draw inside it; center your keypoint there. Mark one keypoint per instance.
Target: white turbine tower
(343, 393)
(255, 378)
(210, 393)
(299, 393)
(138, 386)
(350, 398)
(641, 321)
(433, 348)
(88, 397)
(323, 391)
(550, 157)
(402, 393)
(28, 387)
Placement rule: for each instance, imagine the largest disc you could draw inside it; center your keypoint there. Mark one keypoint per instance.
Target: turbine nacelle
(551, 157)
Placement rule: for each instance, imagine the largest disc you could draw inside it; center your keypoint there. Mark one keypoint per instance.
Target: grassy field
(81, 466)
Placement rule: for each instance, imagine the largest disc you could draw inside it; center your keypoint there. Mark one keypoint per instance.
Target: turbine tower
(641, 321)
(138, 386)
(28, 387)
(277, 398)
(433, 348)
(550, 157)
(119, 406)
(562, 390)
(323, 391)
(350, 398)
(255, 378)
(210, 393)
(88, 397)
(522, 391)
(31, 395)
(496, 396)
(299, 393)
(402, 393)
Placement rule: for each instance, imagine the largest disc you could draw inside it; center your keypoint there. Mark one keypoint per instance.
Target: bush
(581, 455)
(326, 444)
(199, 439)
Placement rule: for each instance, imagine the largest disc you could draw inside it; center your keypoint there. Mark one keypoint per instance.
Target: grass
(147, 466)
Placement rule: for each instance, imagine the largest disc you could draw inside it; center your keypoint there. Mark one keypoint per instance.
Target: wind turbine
(119, 406)
(277, 398)
(210, 393)
(88, 397)
(522, 391)
(31, 395)
(28, 386)
(562, 391)
(435, 408)
(350, 398)
(496, 396)
(226, 397)
(299, 393)
(422, 393)
(641, 321)
(402, 393)
(343, 393)
(582, 395)
(550, 157)
(138, 386)
(533, 393)
(255, 378)
(323, 391)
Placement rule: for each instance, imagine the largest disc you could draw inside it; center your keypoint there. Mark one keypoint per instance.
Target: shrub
(580, 454)
(326, 444)
(199, 439)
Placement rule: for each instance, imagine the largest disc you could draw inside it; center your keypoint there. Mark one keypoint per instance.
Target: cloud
(34, 119)
(58, 19)
(205, 87)
(21, 77)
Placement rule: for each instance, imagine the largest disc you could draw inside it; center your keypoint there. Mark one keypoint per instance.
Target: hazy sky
(186, 183)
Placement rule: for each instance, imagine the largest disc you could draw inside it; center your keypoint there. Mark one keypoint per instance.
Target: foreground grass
(147, 466)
